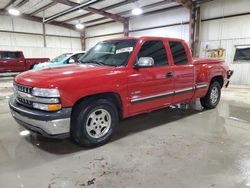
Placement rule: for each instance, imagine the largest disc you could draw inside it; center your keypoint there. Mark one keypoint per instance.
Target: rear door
(150, 88)
(11, 62)
(183, 71)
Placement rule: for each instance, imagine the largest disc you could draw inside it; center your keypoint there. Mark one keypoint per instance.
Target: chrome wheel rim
(98, 123)
(214, 95)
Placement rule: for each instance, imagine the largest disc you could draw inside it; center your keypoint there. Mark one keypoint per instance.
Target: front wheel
(93, 122)
(212, 97)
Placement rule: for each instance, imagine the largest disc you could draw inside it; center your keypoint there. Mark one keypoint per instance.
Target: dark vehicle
(14, 61)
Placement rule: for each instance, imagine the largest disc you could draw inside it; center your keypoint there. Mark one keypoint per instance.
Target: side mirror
(145, 62)
(71, 61)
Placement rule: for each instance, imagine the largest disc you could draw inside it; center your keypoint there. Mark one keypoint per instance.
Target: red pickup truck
(14, 61)
(116, 79)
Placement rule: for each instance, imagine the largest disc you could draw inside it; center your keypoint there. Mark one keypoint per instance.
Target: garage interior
(179, 146)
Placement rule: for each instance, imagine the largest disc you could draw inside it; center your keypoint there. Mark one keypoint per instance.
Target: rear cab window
(178, 52)
(156, 50)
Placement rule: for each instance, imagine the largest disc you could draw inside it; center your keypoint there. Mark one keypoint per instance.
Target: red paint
(78, 81)
(19, 64)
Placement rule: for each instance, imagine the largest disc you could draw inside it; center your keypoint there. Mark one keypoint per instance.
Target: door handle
(169, 74)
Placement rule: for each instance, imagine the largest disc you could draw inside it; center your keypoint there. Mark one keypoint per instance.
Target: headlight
(41, 92)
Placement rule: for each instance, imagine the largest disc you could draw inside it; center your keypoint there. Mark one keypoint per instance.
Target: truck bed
(206, 60)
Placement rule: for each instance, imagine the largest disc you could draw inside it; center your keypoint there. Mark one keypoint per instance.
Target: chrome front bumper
(48, 124)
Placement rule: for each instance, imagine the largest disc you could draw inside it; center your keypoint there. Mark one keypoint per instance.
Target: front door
(152, 87)
(11, 62)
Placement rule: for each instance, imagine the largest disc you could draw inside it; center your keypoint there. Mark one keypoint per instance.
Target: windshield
(61, 57)
(110, 53)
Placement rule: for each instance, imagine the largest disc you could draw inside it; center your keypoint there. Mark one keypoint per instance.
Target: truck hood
(48, 78)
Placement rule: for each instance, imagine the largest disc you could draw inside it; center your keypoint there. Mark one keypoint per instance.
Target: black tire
(206, 101)
(80, 116)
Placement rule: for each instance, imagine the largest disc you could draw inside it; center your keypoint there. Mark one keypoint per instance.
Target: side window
(14, 55)
(9, 55)
(4, 55)
(178, 52)
(79, 55)
(156, 50)
(242, 53)
(1, 55)
(73, 57)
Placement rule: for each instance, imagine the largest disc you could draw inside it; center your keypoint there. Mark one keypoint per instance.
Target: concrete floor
(173, 147)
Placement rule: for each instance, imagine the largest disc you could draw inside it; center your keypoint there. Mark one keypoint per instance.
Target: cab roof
(146, 38)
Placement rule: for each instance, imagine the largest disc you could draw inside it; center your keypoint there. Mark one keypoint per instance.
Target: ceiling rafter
(45, 7)
(186, 3)
(39, 19)
(146, 7)
(73, 8)
(21, 3)
(105, 9)
(147, 13)
(115, 17)
(9, 4)
(199, 2)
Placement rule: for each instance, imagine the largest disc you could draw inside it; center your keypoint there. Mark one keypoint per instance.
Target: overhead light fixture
(137, 11)
(24, 133)
(79, 26)
(14, 12)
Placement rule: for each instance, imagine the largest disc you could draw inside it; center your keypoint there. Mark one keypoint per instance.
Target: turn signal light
(47, 107)
(54, 107)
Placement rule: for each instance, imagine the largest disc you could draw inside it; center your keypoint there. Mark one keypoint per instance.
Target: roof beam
(146, 7)
(10, 3)
(43, 8)
(105, 9)
(119, 5)
(115, 17)
(95, 20)
(186, 3)
(38, 19)
(73, 9)
(146, 13)
(21, 3)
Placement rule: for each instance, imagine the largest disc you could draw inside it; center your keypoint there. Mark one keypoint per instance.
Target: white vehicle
(66, 58)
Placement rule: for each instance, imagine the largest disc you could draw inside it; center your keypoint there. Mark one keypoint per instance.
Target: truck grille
(25, 102)
(23, 89)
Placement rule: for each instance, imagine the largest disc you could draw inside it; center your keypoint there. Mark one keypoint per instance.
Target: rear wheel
(212, 97)
(93, 122)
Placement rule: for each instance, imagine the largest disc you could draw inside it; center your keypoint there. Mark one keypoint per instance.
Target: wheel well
(31, 67)
(218, 79)
(112, 97)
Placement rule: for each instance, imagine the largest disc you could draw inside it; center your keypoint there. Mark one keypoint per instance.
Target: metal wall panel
(225, 33)
(15, 36)
(104, 29)
(93, 41)
(174, 16)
